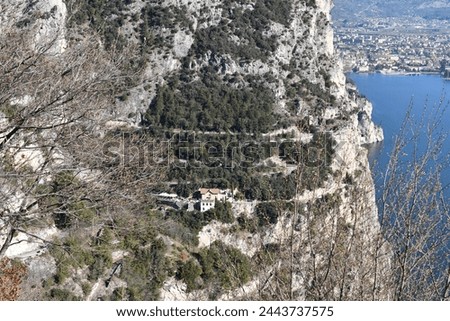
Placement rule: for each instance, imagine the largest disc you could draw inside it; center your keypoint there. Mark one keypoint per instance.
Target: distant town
(395, 46)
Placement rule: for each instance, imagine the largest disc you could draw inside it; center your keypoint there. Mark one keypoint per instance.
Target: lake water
(392, 96)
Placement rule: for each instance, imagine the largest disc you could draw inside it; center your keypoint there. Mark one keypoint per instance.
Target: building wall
(206, 205)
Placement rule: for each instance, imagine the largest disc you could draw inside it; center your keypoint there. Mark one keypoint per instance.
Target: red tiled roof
(204, 191)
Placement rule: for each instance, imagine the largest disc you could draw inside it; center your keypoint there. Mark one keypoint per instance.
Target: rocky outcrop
(370, 133)
(53, 21)
(48, 15)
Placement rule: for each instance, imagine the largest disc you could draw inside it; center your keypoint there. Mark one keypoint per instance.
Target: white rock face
(337, 77)
(12, 199)
(25, 246)
(52, 27)
(182, 44)
(48, 17)
(325, 7)
(21, 101)
(4, 123)
(369, 132)
(173, 290)
(216, 231)
(10, 11)
(29, 156)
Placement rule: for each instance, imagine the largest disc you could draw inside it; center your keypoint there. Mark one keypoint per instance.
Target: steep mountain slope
(242, 95)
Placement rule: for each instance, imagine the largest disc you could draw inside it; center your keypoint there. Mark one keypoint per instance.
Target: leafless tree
(414, 208)
(347, 255)
(56, 162)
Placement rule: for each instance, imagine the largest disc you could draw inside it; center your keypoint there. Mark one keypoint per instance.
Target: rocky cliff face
(50, 15)
(302, 56)
(261, 51)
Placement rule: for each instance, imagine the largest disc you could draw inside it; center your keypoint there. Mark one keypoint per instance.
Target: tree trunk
(7, 242)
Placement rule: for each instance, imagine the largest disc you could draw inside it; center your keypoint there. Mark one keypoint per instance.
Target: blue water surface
(392, 96)
(428, 97)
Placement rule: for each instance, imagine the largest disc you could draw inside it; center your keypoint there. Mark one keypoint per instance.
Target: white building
(209, 196)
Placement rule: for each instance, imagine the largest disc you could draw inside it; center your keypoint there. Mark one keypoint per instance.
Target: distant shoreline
(399, 73)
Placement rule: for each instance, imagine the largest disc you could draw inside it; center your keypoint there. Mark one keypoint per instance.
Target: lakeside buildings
(388, 48)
